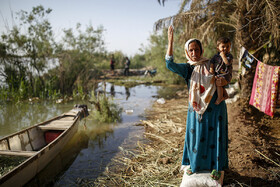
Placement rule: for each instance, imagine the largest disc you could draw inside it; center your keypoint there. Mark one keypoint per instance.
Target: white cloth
(202, 85)
(201, 179)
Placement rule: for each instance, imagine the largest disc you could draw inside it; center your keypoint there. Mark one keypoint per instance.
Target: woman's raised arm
(169, 51)
(181, 69)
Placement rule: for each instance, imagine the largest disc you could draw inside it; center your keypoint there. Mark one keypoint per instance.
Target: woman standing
(206, 141)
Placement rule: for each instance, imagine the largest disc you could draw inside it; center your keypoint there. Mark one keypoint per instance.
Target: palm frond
(161, 2)
(183, 5)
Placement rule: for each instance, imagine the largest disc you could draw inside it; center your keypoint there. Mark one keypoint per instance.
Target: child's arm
(223, 55)
(228, 74)
(212, 65)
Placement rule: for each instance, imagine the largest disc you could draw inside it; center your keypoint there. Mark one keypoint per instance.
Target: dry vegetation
(157, 162)
(253, 150)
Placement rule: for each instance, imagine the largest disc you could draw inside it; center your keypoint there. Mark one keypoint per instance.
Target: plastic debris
(59, 101)
(130, 111)
(161, 101)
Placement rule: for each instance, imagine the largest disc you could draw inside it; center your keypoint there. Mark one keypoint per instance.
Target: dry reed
(156, 163)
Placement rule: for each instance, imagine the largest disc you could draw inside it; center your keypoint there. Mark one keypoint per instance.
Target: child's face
(224, 47)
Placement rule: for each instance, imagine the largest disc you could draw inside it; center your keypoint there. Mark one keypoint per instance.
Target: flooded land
(95, 145)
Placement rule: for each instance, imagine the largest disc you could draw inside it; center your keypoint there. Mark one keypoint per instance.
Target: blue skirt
(206, 142)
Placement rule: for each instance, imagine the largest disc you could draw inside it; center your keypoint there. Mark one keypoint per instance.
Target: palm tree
(254, 24)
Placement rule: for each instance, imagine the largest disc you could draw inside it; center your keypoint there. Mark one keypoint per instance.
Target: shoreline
(158, 162)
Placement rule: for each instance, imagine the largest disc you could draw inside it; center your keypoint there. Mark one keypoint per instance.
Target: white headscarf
(202, 59)
(202, 84)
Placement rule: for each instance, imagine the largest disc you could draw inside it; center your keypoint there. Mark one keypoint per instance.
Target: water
(90, 151)
(104, 141)
(14, 117)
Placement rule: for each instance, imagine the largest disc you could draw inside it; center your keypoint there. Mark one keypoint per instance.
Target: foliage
(25, 53)
(155, 53)
(106, 111)
(78, 93)
(78, 56)
(138, 61)
(26, 56)
(206, 20)
(119, 59)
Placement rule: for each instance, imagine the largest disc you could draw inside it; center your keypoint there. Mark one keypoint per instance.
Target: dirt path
(253, 140)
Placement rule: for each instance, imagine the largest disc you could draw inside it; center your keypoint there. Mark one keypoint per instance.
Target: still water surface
(91, 150)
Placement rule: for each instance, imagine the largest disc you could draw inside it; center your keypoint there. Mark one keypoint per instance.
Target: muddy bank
(254, 153)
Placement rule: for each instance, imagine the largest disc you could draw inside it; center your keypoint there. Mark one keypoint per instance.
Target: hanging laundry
(278, 97)
(246, 58)
(265, 88)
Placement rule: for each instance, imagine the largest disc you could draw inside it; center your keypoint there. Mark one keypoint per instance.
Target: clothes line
(253, 57)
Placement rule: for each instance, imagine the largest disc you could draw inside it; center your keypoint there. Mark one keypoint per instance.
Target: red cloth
(265, 88)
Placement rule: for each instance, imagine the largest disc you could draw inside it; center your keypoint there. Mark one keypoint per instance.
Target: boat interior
(27, 142)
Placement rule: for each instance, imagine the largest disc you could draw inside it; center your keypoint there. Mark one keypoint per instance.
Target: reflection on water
(14, 117)
(127, 93)
(112, 90)
(105, 140)
(91, 150)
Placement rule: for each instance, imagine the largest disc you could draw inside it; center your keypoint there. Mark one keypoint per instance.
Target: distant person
(221, 66)
(126, 66)
(112, 63)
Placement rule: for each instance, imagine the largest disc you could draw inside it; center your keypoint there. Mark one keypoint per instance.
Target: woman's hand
(170, 34)
(221, 81)
(169, 51)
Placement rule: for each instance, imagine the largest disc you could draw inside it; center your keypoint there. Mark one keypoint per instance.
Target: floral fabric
(265, 90)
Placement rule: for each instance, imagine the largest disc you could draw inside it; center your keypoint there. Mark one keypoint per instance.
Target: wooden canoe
(38, 145)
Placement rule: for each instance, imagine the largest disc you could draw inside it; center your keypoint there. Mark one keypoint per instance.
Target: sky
(127, 23)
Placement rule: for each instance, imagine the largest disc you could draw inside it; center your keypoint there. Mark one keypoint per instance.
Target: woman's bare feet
(221, 180)
(189, 171)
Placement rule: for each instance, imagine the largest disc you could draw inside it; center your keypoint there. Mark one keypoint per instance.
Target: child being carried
(221, 66)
